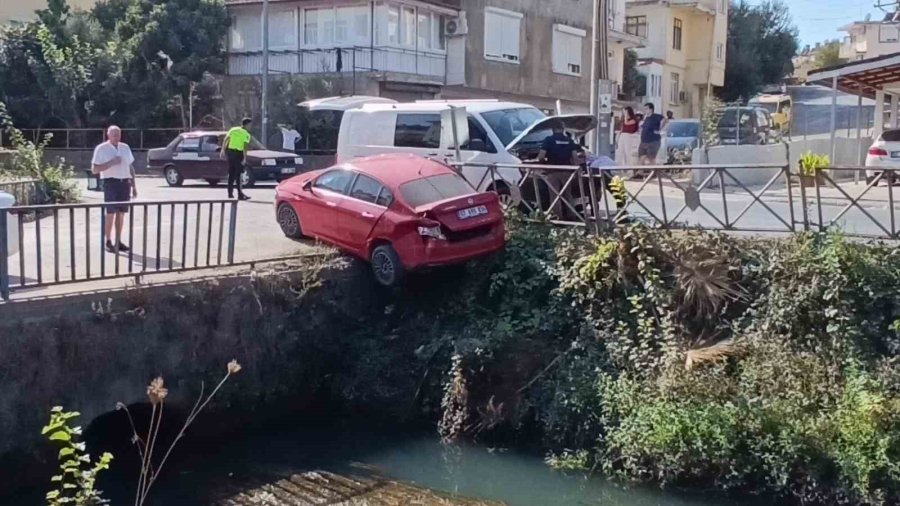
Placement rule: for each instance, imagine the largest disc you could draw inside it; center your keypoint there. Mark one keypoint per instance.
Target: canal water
(517, 479)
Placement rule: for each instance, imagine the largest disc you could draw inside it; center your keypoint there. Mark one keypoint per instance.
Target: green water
(518, 479)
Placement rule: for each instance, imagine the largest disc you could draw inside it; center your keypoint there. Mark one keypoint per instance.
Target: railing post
(232, 232)
(4, 255)
(803, 202)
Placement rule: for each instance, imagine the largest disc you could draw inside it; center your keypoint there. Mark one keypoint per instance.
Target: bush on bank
(690, 358)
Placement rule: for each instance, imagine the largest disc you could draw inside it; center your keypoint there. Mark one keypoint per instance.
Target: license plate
(472, 212)
(895, 154)
(288, 170)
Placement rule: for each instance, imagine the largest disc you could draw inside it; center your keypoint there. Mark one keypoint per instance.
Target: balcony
(707, 6)
(345, 60)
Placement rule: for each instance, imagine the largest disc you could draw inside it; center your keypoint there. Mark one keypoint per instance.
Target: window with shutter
(502, 30)
(567, 47)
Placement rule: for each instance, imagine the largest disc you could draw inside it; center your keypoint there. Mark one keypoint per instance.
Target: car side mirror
(307, 185)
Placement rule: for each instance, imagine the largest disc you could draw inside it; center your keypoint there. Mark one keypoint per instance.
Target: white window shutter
(510, 45)
(493, 35)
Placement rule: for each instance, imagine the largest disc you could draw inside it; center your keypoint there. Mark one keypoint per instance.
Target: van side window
(418, 131)
(476, 132)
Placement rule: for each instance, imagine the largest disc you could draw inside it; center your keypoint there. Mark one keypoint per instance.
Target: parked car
(884, 153)
(12, 229)
(498, 133)
(745, 125)
(682, 136)
(195, 155)
(779, 106)
(399, 212)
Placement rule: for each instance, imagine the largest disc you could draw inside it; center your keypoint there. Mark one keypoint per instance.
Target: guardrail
(88, 138)
(60, 244)
(710, 197)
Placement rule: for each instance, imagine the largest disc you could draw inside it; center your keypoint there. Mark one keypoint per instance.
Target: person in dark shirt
(650, 135)
(558, 148)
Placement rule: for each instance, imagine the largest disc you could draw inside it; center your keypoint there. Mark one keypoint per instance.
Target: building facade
(534, 51)
(869, 39)
(18, 11)
(684, 57)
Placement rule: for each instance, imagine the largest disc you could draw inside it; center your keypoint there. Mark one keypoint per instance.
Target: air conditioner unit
(683, 97)
(455, 27)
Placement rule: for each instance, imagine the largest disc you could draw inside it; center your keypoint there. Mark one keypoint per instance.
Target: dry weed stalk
(157, 393)
(710, 354)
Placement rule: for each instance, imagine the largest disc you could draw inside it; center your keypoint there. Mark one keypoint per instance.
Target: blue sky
(818, 20)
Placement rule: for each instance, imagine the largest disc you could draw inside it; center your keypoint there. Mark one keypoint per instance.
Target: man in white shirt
(289, 138)
(114, 162)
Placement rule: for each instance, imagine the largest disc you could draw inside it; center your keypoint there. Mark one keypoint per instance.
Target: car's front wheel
(289, 221)
(247, 179)
(386, 266)
(173, 176)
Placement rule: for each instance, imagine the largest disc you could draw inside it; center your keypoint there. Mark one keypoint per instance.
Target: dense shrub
(690, 358)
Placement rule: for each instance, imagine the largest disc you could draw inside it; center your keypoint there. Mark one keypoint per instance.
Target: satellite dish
(868, 17)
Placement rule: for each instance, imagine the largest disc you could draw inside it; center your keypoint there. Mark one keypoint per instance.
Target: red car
(399, 212)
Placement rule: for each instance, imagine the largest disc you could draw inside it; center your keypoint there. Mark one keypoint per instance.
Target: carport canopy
(862, 77)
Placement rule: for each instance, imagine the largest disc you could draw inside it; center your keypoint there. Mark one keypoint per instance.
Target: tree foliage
(829, 55)
(762, 40)
(131, 62)
(633, 83)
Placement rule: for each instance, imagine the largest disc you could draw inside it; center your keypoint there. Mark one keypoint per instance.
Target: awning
(881, 73)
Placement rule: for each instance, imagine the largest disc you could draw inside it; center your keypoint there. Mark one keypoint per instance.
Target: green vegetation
(690, 359)
(129, 62)
(829, 55)
(811, 163)
(77, 478)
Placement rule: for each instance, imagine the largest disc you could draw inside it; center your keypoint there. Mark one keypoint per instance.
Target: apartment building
(684, 56)
(18, 11)
(869, 39)
(535, 51)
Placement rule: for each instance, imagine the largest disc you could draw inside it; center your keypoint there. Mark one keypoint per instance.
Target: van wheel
(289, 221)
(509, 198)
(869, 180)
(173, 176)
(386, 266)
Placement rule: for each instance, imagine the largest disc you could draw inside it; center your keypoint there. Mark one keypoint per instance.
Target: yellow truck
(779, 107)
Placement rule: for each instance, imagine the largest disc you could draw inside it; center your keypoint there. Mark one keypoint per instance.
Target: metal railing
(712, 197)
(56, 244)
(88, 138)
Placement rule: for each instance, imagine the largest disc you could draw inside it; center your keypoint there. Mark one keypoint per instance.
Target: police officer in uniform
(558, 149)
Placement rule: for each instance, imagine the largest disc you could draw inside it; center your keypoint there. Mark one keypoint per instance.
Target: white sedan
(884, 154)
(12, 229)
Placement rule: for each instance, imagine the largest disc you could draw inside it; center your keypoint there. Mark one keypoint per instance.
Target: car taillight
(877, 152)
(431, 229)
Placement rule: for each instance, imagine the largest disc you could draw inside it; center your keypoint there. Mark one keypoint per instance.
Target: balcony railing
(706, 5)
(343, 60)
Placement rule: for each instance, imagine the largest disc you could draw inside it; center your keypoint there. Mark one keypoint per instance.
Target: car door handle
(331, 204)
(366, 214)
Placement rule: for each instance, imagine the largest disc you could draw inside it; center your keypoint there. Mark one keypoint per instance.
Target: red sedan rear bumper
(429, 252)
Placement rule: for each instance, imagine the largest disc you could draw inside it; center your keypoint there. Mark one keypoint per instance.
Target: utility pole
(601, 87)
(265, 73)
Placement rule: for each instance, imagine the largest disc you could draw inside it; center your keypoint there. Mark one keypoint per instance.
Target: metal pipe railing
(50, 240)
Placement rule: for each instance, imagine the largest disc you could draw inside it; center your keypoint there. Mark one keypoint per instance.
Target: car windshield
(510, 123)
(891, 135)
(729, 117)
(683, 129)
(256, 145)
(434, 188)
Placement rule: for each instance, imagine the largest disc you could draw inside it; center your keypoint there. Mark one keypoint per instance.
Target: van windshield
(772, 107)
(434, 188)
(510, 123)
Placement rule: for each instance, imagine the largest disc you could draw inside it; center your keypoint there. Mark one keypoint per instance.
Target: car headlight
(298, 161)
(269, 162)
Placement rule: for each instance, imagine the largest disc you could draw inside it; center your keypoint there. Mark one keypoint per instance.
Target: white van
(12, 228)
(498, 132)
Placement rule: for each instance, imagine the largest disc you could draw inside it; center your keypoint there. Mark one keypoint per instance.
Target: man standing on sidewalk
(650, 135)
(114, 162)
(234, 149)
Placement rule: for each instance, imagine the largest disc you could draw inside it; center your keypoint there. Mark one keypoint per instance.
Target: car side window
(210, 144)
(476, 133)
(418, 131)
(336, 180)
(385, 198)
(365, 189)
(189, 145)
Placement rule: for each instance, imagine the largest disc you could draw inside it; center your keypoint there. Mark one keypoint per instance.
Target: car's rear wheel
(213, 182)
(386, 266)
(289, 221)
(173, 176)
(247, 179)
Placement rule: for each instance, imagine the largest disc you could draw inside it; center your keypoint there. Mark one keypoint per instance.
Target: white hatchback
(12, 229)
(884, 154)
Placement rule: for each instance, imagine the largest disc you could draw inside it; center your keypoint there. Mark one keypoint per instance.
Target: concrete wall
(847, 152)
(533, 75)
